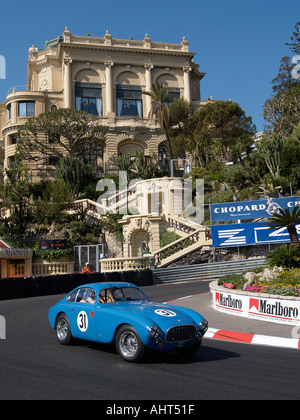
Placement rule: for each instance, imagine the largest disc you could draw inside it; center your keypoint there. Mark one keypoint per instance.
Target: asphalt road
(33, 365)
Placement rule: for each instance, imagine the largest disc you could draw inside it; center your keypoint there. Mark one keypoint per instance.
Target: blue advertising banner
(251, 209)
(242, 234)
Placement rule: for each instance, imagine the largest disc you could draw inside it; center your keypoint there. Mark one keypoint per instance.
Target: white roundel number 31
(82, 321)
(165, 312)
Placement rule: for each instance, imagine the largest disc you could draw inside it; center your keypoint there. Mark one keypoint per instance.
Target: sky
(238, 43)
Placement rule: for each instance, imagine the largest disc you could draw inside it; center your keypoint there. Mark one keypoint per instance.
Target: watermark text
(176, 195)
(2, 328)
(2, 67)
(296, 69)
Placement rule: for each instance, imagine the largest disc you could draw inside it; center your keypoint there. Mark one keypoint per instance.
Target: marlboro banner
(283, 311)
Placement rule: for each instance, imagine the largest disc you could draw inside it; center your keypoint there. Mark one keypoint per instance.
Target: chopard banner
(251, 209)
(241, 234)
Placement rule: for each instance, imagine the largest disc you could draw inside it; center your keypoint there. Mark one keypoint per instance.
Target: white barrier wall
(283, 310)
(2, 328)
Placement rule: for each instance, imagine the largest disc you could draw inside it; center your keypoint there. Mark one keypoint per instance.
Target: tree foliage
(141, 167)
(181, 113)
(284, 80)
(281, 111)
(159, 93)
(55, 198)
(295, 40)
(57, 134)
(288, 219)
(271, 148)
(284, 255)
(75, 173)
(16, 199)
(218, 128)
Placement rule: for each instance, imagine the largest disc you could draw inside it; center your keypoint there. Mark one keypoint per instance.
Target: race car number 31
(82, 321)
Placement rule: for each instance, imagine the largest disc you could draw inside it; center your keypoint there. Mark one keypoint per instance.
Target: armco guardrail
(205, 271)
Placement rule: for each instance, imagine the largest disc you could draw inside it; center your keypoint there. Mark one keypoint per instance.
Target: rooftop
(108, 40)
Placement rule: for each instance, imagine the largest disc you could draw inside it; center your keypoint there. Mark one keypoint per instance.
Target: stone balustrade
(52, 268)
(181, 247)
(124, 264)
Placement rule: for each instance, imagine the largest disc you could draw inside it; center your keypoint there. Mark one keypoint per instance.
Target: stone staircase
(161, 203)
(89, 208)
(193, 236)
(197, 239)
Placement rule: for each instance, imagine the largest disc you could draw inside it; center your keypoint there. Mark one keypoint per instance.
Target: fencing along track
(205, 271)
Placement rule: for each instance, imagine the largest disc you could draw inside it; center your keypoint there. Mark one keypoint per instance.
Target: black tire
(63, 330)
(128, 344)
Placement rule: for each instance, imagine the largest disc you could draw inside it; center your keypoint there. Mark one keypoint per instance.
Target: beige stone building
(105, 77)
(108, 77)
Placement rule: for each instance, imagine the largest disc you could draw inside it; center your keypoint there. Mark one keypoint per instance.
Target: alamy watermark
(296, 69)
(2, 328)
(2, 67)
(179, 196)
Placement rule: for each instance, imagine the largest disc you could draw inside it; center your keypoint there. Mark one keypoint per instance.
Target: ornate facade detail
(109, 64)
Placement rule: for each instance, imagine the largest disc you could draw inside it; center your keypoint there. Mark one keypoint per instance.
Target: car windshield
(120, 294)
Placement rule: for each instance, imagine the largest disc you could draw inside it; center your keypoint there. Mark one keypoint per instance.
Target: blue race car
(121, 313)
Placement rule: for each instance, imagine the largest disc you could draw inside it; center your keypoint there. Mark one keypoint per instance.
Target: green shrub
(284, 255)
(53, 254)
(290, 276)
(168, 237)
(237, 279)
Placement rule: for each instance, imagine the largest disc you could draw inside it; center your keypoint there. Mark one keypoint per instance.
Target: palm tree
(287, 219)
(159, 93)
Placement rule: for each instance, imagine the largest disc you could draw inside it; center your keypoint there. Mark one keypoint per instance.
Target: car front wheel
(128, 344)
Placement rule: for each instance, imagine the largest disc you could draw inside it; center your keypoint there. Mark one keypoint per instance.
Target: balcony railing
(19, 88)
(52, 268)
(124, 264)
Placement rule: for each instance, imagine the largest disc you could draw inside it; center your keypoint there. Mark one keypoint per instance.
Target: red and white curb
(240, 337)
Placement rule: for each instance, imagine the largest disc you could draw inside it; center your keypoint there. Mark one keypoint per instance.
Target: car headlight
(154, 332)
(203, 326)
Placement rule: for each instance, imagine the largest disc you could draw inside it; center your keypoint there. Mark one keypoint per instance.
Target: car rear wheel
(63, 330)
(128, 344)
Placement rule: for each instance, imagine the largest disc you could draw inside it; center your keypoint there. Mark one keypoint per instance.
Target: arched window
(130, 149)
(129, 101)
(174, 94)
(162, 152)
(88, 98)
(163, 157)
(94, 158)
(172, 83)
